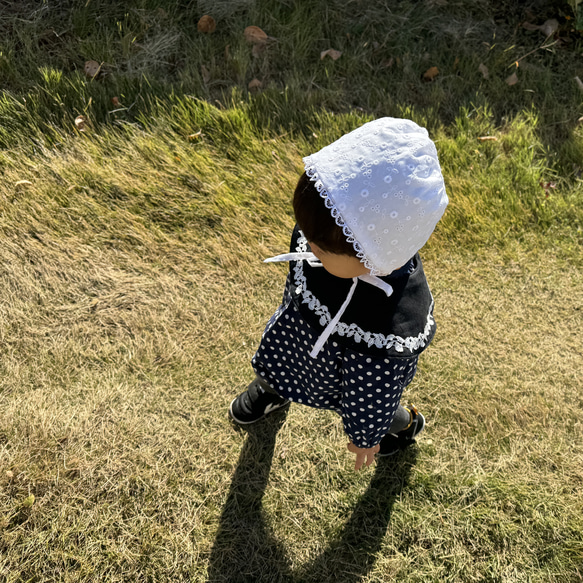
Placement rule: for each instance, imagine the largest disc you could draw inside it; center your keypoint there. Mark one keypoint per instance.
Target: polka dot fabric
(365, 390)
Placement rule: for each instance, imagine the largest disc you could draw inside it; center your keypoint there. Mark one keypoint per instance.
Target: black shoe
(391, 443)
(255, 403)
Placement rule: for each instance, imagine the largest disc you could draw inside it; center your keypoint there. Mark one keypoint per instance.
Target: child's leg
(404, 416)
(260, 398)
(401, 420)
(406, 425)
(400, 438)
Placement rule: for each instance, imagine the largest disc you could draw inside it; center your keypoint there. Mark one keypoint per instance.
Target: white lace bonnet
(383, 185)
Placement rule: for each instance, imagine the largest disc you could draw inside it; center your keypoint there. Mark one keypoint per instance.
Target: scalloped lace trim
(390, 341)
(312, 174)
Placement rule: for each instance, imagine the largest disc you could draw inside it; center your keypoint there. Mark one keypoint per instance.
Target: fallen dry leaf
(258, 49)
(431, 73)
(512, 80)
(579, 83)
(487, 139)
(92, 69)
(387, 63)
(332, 53)
(550, 27)
(206, 74)
(548, 186)
(254, 85)
(115, 101)
(254, 35)
(81, 123)
(9, 474)
(456, 63)
(206, 24)
(484, 70)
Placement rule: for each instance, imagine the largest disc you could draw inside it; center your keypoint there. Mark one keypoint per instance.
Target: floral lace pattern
(390, 341)
(383, 187)
(312, 174)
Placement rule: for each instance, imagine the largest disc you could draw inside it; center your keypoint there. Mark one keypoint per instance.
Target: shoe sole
(419, 416)
(270, 409)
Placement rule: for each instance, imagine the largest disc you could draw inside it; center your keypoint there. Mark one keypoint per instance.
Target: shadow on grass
(245, 550)
(351, 557)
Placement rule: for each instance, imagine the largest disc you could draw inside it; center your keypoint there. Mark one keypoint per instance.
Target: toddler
(356, 310)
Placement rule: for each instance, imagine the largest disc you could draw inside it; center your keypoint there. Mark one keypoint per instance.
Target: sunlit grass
(133, 295)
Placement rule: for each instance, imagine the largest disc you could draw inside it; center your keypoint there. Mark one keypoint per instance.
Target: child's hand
(362, 454)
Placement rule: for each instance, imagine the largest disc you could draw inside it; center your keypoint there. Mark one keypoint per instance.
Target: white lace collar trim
(334, 326)
(314, 262)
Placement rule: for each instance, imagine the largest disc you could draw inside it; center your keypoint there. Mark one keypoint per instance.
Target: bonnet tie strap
(332, 324)
(306, 256)
(313, 261)
(377, 282)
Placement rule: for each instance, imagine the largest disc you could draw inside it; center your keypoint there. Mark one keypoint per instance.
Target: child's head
(315, 220)
(326, 238)
(375, 194)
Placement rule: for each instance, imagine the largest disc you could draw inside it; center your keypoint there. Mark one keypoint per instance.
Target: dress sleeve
(372, 388)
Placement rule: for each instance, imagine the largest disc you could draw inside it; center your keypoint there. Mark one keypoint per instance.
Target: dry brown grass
(113, 416)
(131, 304)
(132, 295)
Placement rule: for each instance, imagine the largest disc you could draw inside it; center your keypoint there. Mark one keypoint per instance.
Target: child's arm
(371, 395)
(362, 454)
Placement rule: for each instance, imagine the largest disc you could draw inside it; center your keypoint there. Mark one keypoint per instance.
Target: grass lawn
(132, 293)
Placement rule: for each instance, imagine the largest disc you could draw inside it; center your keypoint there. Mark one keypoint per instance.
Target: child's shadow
(245, 550)
(351, 557)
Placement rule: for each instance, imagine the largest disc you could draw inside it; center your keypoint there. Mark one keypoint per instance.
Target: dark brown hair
(315, 219)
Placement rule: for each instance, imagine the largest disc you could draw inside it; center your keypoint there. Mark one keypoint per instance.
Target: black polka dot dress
(371, 354)
(364, 389)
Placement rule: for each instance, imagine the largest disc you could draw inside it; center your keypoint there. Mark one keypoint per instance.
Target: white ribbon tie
(313, 261)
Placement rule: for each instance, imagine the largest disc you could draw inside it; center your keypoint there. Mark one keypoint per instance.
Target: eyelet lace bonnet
(383, 185)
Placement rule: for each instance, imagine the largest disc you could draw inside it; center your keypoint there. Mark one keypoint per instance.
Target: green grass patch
(133, 295)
